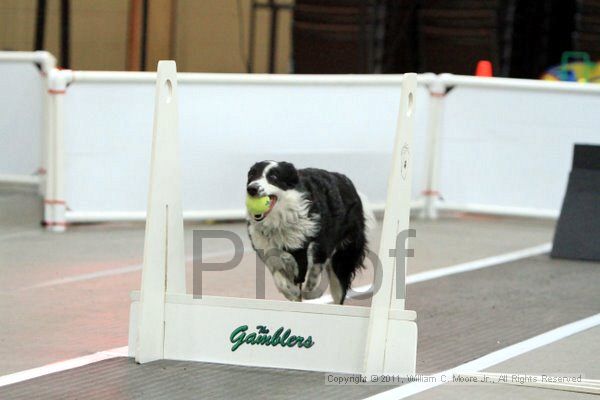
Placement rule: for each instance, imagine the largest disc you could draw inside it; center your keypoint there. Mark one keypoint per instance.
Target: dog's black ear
(288, 172)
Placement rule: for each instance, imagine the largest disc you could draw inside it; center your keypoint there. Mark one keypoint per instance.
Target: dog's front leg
(284, 270)
(287, 287)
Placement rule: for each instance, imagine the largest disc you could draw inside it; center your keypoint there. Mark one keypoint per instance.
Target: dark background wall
(522, 38)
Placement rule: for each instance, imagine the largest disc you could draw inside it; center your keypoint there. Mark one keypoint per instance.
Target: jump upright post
(168, 323)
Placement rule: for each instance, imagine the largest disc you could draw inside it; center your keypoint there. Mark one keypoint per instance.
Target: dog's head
(273, 179)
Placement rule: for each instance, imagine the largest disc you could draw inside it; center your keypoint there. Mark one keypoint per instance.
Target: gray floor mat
(460, 317)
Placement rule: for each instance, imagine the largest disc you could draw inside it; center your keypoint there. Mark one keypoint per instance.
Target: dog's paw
(312, 294)
(293, 293)
(286, 287)
(313, 289)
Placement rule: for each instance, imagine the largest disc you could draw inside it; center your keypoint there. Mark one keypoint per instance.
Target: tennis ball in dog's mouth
(258, 205)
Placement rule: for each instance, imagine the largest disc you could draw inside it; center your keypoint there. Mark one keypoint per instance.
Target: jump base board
(208, 329)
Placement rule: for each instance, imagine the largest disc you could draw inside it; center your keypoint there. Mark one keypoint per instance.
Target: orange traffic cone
(484, 68)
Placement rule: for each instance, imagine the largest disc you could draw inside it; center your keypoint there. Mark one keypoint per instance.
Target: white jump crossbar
(165, 322)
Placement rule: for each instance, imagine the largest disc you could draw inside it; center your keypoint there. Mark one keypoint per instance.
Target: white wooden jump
(167, 323)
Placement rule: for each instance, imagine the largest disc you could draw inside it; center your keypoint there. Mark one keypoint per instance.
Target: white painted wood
(167, 323)
(164, 261)
(200, 330)
(277, 305)
(396, 220)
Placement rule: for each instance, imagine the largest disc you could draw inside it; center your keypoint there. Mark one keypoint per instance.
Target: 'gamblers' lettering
(240, 336)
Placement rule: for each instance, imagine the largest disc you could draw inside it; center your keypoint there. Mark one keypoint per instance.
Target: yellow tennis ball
(258, 205)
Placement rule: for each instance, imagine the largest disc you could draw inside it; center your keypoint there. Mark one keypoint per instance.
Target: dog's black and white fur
(316, 221)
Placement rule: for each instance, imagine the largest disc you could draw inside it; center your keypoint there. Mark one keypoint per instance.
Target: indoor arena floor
(66, 296)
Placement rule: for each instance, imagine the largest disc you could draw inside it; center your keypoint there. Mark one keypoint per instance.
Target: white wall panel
(224, 128)
(21, 118)
(511, 150)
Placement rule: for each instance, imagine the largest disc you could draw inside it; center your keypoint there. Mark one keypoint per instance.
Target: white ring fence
(343, 123)
(24, 120)
(492, 145)
(506, 145)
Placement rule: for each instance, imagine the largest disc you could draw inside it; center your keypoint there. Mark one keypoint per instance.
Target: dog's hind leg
(315, 284)
(338, 293)
(313, 277)
(344, 263)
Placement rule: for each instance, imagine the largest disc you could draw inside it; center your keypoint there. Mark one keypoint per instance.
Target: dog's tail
(370, 221)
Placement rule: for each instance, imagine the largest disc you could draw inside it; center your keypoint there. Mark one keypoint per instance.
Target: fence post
(54, 198)
(437, 93)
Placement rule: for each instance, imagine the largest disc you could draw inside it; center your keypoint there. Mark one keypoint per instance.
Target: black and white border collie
(316, 221)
